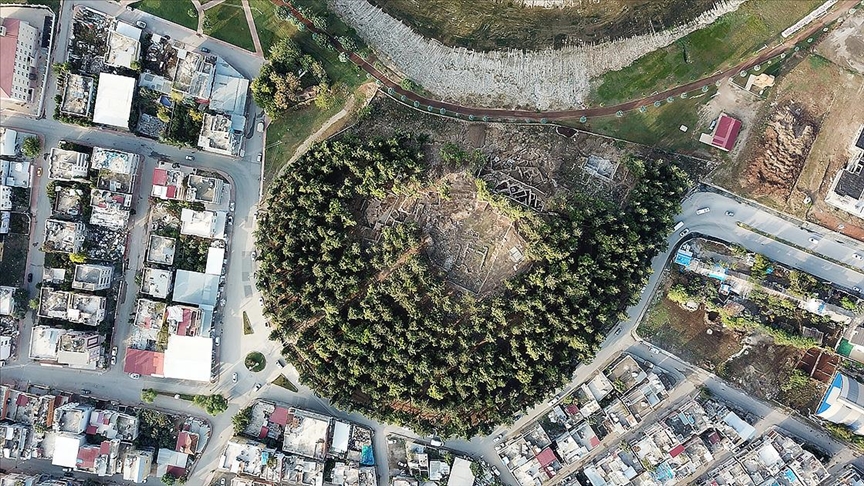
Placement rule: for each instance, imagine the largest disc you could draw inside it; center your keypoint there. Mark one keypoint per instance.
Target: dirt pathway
(321, 131)
(200, 9)
(252, 29)
(210, 4)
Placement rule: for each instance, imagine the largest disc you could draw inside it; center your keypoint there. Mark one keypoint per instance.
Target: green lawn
(247, 326)
(723, 44)
(228, 23)
(171, 10)
(657, 126)
(285, 134)
(54, 4)
(285, 383)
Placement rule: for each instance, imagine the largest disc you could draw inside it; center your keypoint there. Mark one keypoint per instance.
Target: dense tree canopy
(377, 329)
(286, 75)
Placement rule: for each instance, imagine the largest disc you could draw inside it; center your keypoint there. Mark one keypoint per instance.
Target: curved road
(528, 115)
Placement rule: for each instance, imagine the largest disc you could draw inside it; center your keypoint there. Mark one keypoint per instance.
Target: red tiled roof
(263, 432)
(714, 437)
(546, 457)
(183, 325)
(144, 362)
(105, 447)
(186, 442)
(8, 46)
(22, 399)
(572, 409)
(91, 429)
(160, 177)
(677, 450)
(726, 132)
(176, 471)
(279, 416)
(171, 192)
(87, 457)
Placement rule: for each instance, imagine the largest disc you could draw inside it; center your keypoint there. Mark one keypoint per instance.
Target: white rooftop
(188, 357)
(114, 100)
(195, 288)
(215, 257)
(66, 450)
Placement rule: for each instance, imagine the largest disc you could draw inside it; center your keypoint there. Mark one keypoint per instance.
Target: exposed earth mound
(783, 149)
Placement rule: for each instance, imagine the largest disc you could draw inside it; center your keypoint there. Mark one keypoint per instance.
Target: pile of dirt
(782, 151)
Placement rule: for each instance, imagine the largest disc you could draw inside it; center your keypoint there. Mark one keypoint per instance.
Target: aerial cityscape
(437, 243)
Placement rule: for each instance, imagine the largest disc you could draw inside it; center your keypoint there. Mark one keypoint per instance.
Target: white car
(217, 340)
(141, 24)
(685, 232)
(113, 360)
(730, 213)
(234, 378)
(257, 386)
(813, 240)
(134, 376)
(231, 206)
(702, 210)
(856, 256)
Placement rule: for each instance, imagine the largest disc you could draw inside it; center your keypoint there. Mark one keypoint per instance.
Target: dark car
(205, 50)
(29, 277)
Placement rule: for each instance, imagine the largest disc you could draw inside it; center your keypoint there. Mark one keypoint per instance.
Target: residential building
(68, 165)
(196, 288)
(74, 349)
(847, 187)
(114, 100)
(64, 236)
(725, 133)
(161, 250)
(204, 189)
(204, 224)
(92, 277)
(71, 306)
(124, 47)
(7, 301)
(843, 403)
(156, 283)
(15, 173)
(136, 465)
(19, 53)
(115, 161)
(168, 182)
(222, 134)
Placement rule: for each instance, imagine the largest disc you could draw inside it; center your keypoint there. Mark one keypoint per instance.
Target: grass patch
(54, 4)
(13, 259)
(171, 10)
(287, 133)
(247, 326)
(723, 44)
(228, 23)
(658, 126)
(255, 361)
(285, 383)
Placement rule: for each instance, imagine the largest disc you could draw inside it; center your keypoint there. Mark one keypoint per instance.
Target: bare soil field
(493, 24)
(476, 246)
(845, 45)
(782, 150)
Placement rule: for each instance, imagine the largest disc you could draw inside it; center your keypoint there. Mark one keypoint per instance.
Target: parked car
(261, 301)
(730, 213)
(29, 277)
(231, 206)
(190, 157)
(217, 340)
(113, 360)
(685, 232)
(260, 127)
(207, 51)
(114, 351)
(702, 210)
(234, 378)
(257, 386)
(229, 220)
(85, 392)
(854, 255)
(134, 376)
(813, 240)
(39, 172)
(221, 481)
(141, 24)
(281, 363)
(856, 289)
(254, 254)
(260, 156)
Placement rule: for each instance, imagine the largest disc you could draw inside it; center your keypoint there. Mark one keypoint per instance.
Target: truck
(678, 225)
